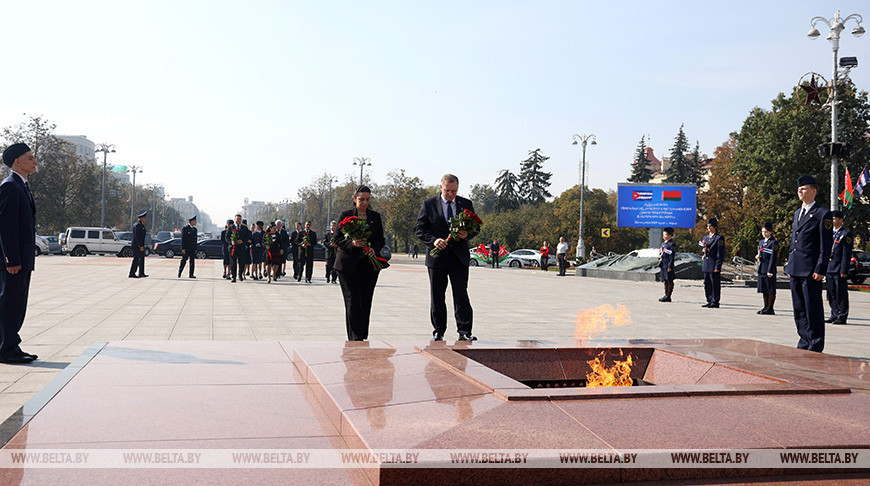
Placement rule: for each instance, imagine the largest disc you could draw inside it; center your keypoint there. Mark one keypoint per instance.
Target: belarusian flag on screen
(672, 195)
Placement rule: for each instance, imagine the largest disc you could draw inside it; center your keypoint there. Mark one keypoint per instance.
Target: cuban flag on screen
(863, 180)
(641, 195)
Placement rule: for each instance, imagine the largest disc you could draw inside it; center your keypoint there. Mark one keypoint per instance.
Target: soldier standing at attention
(667, 255)
(713, 254)
(808, 257)
(768, 251)
(330, 240)
(838, 270)
(188, 246)
(138, 245)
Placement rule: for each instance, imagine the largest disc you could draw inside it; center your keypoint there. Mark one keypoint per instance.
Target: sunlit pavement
(77, 301)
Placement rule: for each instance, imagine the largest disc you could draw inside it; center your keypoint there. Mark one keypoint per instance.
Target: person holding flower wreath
(448, 257)
(355, 262)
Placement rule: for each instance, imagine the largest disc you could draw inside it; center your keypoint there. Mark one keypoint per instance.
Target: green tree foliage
(776, 146)
(484, 198)
(682, 170)
(506, 188)
(402, 197)
(533, 181)
(640, 169)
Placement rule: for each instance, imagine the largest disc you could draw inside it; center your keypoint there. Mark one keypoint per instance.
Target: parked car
(479, 259)
(41, 246)
(209, 248)
(81, 241)
(319, 253)
(527, 258)
(128, 236)
(859, 270)
(54, 246)
(163, 236)
(168, 248)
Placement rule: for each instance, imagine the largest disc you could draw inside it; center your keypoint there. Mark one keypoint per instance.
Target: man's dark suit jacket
(431, 225)
(348, 257)
(17, 224)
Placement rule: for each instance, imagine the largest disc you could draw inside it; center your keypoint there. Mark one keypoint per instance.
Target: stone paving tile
(77, 301)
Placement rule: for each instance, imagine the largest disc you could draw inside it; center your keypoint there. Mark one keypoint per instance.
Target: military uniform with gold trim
(838, 269)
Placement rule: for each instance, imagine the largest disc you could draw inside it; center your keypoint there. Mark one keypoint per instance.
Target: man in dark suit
(451, 264)
(713, 256)
(307, 242)
(811, 240)
(17, 247)
(295, 243)
(838, 270)
(138, 245)
(238, 247)
(493, 253)
(330, 241)
(188, 246)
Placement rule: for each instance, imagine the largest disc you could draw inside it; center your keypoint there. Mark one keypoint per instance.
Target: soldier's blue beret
(768, 226)
(142, 214)
(838, 214)
(14, 151)
(806, 180)
(713, 222)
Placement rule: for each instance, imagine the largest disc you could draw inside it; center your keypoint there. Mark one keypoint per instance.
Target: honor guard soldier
(667, 256)
(138, 245)
(188, 246)
(838, 270)
(808, 257)
(330, 240)
(768, 252)
(713, 255)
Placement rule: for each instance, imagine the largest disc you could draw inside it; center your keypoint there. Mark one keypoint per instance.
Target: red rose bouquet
(465, 221)
(306, 241)
(358, 229)
(235, 240)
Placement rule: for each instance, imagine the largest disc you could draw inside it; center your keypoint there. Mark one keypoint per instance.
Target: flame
(616, 375)
(592, 321)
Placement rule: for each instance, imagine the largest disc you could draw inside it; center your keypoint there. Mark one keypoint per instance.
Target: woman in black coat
(356, 273)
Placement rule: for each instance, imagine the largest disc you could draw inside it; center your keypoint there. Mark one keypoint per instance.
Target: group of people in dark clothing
(261, 253)
(820, 249)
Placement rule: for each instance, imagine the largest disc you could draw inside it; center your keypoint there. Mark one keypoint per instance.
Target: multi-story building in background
(88, 150)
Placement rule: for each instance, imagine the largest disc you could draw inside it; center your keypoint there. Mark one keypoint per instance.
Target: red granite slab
(662, 423)
(519, 364)
(667, 368)
(800, 421)
(190, 374)
(190, 352)
(726, 375)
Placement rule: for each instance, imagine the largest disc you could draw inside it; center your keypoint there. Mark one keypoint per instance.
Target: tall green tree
(682, 170)
(484, 198)
(506, 188)
(640, 169)
(402, 197)
(777, 145)
(533, 181)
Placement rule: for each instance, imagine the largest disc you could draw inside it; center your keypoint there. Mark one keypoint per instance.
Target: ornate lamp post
(583, 140)
(836, 25)
(361, 162)
(329, 208)
(105, 148)
(134, 169)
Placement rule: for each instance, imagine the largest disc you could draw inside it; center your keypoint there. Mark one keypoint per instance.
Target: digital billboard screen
(656, 205)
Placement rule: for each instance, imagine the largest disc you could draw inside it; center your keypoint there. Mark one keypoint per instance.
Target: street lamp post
(361, 162)
(105, 148)
(329, 207)
(583, 140)
(134, 169)
(836, 25)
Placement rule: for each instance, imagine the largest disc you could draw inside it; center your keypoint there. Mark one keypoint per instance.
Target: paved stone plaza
(77, 301)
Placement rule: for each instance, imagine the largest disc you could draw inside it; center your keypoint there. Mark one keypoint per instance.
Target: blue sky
(226, 100)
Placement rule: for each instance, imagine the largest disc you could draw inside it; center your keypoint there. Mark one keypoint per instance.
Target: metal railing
(741, 263)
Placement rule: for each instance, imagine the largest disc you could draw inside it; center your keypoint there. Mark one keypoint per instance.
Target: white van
(80, 241)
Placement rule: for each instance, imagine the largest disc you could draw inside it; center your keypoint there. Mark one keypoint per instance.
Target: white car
(41, 246)
(528, 258)
(80, 241)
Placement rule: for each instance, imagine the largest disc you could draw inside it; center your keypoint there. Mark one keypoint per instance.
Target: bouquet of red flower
(358, 229)
(465, 221)
(235, 240)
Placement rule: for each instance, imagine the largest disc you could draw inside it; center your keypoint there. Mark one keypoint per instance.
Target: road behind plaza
(77, 301)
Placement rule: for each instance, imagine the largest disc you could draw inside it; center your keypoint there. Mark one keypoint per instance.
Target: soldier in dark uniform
(808, 258)
(330, 241)
(283, 239)
(138, 245)
(225, 248)
(238, 247)
(188, 246)
(296, 242)
(493, 253)
(768, 252)
(17, 247)
(838, 270)
(713, 255)
(667, 256)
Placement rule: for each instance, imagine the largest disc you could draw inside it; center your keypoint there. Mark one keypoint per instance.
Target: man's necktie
(449, 210)
(803, 213)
